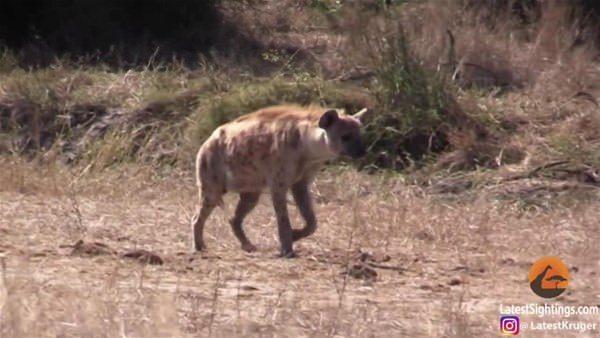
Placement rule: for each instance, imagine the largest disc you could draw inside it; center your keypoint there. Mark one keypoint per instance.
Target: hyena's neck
(318, 146)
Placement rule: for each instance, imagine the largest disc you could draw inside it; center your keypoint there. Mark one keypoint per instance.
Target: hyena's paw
(298, 234)
(249, 247)
(287, 254)
(199, 246)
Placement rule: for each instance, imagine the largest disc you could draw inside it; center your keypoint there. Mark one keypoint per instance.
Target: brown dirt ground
(442, 267)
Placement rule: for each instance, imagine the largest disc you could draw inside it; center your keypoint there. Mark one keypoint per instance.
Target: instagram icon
(509, 325)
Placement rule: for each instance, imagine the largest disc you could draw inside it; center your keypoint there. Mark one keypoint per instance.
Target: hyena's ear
(362, 115)
(328, 118)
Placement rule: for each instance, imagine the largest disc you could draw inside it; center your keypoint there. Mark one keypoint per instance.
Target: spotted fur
(279, 148)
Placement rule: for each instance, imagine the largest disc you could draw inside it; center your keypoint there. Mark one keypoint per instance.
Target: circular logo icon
(548, 277)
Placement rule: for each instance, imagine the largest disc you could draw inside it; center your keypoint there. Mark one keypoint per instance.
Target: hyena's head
(344, 132)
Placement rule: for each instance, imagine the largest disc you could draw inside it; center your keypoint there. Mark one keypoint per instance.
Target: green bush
(414, 106)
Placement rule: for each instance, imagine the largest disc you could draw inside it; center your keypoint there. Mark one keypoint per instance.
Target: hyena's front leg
(283, 221)
(301, 194)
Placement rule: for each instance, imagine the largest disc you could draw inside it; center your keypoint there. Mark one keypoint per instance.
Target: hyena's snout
(358, 150)
(353, 147)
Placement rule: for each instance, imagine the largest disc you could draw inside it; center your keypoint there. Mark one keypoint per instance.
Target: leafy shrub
(414, 105)
(415, 109)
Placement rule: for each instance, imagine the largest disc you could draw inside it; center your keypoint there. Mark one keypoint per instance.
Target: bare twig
(534, 171)
(341, 291)
(3, 289)
(213, 306)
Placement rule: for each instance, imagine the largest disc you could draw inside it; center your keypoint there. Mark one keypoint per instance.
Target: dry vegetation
(484, 156)
(387, 259)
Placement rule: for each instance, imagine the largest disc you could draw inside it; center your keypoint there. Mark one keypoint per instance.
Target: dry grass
(531, 79)
(158, 115)
(390, 258)
(514, 93)
(450, 263)
(521, 74)
(66, 110)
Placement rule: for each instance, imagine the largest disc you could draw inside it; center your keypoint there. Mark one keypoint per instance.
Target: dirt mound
(91, 249)
(144, 256)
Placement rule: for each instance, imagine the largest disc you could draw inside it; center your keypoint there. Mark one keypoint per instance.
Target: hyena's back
(244, 154)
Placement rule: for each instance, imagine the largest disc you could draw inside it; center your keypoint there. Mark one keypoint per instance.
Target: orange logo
(548, 277)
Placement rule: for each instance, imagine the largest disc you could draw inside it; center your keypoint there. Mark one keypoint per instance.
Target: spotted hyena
(279, 148)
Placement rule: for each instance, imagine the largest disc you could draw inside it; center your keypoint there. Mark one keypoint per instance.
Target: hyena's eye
(346, 138)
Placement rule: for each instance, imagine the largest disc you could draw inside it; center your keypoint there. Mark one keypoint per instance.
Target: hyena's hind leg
(301, 194)
(248, 201)
(206, 207)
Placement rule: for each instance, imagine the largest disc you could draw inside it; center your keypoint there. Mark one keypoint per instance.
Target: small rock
(362, 271)
(424, 236)
(385, 258)
(373, 257)
(455, 281)
(425, 287)
(91, 249)
(507, 261)
(38, 254)
(144, 256)
(364, 256)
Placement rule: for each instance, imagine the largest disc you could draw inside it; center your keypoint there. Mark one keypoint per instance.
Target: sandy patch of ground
(427, 268)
